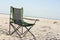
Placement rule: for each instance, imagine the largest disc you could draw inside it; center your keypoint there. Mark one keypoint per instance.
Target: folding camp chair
(16, 17)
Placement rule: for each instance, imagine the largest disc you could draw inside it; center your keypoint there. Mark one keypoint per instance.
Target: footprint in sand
(55, 22)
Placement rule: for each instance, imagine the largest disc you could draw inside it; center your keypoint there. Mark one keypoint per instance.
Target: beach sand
(44, 29)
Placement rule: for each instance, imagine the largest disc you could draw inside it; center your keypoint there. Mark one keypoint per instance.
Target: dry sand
(44, 29)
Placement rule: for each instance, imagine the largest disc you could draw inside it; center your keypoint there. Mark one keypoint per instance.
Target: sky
(34, 8)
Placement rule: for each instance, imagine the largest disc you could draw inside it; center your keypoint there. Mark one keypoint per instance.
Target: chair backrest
(16, 13)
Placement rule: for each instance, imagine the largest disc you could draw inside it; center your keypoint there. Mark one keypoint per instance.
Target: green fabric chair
(16, 17)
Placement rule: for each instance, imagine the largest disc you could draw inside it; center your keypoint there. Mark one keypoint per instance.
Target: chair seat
(26, 24)
(23, 23)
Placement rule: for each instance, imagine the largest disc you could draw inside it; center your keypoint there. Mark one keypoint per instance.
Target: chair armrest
(35, 21)
(31, 19)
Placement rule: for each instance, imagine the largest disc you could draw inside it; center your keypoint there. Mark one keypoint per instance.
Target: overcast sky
(36, 8)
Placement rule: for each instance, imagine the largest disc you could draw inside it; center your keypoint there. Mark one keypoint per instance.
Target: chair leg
(22, 30)
(15, 30)
(9, 29)
(27, 30)
(31, 33)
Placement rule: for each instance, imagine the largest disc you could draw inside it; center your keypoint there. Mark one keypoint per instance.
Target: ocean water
(37, 16)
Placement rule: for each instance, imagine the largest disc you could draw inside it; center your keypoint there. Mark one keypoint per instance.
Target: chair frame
(16, 29)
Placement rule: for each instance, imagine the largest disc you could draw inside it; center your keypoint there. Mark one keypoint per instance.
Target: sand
(44, 29)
